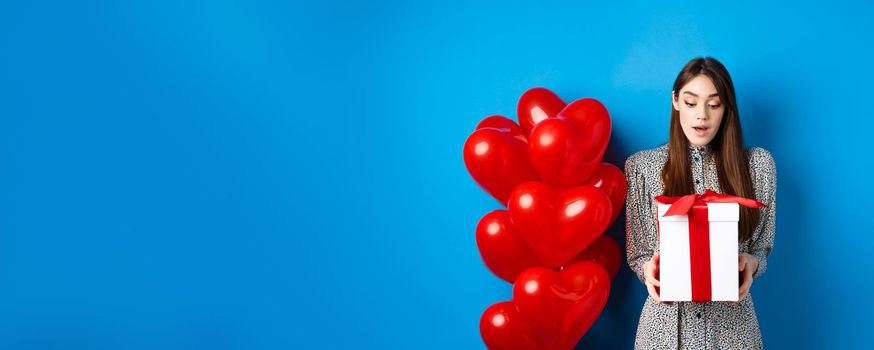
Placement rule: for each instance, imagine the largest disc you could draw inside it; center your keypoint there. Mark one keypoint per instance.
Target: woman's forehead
(700, 86)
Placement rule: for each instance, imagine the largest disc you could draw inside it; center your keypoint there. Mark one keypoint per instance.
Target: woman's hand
(747, 265)
(650, 271)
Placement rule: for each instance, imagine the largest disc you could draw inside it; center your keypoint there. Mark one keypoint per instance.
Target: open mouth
(700, 130)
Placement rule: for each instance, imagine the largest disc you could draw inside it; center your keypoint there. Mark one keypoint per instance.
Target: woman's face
(700, 110)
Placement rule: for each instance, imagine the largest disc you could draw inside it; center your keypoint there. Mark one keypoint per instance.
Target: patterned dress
(688, 325)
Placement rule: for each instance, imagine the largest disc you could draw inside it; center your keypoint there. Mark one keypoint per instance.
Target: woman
(705, 151)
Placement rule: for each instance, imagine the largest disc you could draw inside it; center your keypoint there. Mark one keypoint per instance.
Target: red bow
(682, 204)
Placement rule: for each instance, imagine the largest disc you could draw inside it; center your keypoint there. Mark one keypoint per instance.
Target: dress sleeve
(766, 191)
(638, 246)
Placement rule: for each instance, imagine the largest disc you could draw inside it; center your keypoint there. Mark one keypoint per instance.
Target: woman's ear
(674, 100)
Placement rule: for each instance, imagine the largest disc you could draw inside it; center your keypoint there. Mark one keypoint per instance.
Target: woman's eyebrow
(696, 95)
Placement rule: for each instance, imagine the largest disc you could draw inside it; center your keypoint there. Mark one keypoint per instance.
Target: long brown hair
(732, 165)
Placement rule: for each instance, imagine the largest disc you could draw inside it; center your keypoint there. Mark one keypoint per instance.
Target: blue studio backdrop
(283, 175)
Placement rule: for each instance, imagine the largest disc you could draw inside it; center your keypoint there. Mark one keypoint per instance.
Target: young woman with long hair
(705, 150)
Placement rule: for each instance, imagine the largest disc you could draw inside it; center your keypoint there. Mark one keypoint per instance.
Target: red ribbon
(695, 206)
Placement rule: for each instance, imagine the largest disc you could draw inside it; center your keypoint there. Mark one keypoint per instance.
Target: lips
(700, 130)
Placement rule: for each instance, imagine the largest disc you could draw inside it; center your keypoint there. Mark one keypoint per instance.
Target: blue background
(266, 175)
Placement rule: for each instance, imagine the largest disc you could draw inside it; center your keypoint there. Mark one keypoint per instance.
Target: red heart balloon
(562, 305)
(535, 105)
(558, 224)
(567, 150)
(611, 180)
(502, 328)
(606, 252)
(501, 248)
(496, 157)
(506, 255)
(505, 125)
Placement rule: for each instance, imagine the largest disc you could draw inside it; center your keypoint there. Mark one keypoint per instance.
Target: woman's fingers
(744, 289)
(649, 273)
(747, 283)
(654, 282)
(747, 273)
(650, 269)
(653, 293)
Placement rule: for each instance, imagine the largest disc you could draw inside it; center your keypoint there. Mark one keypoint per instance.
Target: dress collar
(704, 150)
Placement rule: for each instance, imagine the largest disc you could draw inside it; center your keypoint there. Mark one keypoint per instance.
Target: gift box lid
(715, 212)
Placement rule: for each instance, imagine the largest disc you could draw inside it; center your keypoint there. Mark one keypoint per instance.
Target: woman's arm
(766, 180)
(637, 245)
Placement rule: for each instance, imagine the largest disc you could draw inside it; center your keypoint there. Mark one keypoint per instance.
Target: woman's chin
(696, 140)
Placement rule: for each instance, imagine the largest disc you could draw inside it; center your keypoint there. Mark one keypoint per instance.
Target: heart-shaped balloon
(567, 150)
(505, 125)
(502, 328)
(502, 249)
(562, 305)
(506, 255)
(558, 224)
(536, 105)
(496, 156)
(611, 180)
(606, 252)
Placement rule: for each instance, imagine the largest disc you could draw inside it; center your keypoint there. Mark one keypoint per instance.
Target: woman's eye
(715, 106)
(690, 104)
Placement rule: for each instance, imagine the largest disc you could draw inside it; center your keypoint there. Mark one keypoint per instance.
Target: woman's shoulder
(763, 169)
(647, 158)
(761, 158)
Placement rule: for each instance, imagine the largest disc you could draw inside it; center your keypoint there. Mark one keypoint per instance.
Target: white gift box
(675, 257)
